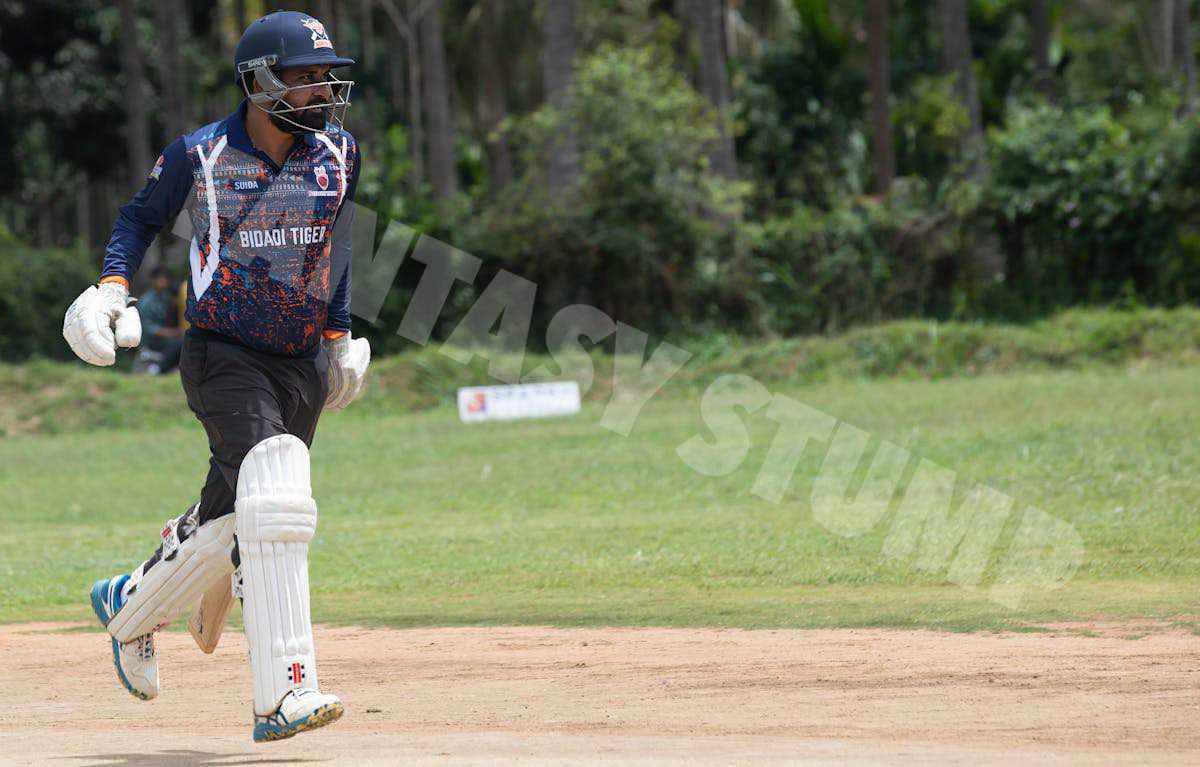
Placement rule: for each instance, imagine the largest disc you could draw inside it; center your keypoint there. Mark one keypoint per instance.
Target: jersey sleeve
(143, 217)
(338, 323)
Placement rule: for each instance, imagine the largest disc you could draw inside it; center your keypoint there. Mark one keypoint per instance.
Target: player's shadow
(186, 758)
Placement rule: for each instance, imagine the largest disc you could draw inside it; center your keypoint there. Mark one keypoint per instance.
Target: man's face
(162, 282)
(320, 92)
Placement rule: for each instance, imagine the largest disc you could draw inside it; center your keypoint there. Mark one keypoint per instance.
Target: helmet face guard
(270, 97)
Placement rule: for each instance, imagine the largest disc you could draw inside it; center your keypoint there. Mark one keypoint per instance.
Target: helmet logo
(322, 176)
(319, 37)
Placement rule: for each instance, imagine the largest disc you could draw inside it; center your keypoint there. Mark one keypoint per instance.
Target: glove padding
(99, 321)
(348, 360)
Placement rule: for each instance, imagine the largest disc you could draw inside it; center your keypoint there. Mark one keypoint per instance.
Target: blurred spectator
(161, 334)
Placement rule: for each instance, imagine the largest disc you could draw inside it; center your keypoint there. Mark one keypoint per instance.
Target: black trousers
(243, 397)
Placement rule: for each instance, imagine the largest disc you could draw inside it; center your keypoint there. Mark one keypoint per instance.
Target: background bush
(53, 397)
(1089, 197)
(1090, 205)
(36, 287)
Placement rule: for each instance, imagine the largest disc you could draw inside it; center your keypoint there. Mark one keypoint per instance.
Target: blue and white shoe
(135, 661)
(299, 711)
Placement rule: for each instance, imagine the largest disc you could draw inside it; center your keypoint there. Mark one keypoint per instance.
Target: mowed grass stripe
(427, 521)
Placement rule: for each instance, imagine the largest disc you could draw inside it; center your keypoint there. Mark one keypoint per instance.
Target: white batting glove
(99, 321)
(348, 360)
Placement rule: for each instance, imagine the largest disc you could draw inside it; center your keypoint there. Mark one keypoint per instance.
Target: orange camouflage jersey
(269, 245)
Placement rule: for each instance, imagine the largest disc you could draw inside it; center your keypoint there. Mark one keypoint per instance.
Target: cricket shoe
(135, 661)
(299, 711)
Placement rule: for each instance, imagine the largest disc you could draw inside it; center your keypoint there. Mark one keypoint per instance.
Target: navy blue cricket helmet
(282, 40)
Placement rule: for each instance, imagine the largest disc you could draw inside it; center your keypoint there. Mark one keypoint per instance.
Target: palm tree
(708, 19)
(137, 139)
(1185, 54)
(492, 83)
(558, 75)
(1168, 26)
(169, 17)
(986, 256)
(957, 61)
(404, 27)
(1039, 20)
(880, 76)
(1160, 23)
(443, 174)
(137, 135)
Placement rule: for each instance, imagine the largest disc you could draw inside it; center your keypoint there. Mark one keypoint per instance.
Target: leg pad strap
(190, 559)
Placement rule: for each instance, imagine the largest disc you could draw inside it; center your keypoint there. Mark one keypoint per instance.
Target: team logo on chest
(322, 177)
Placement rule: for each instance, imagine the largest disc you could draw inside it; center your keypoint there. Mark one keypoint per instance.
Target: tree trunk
(137, 136)
(957, 61)
(493, 106)
(558, 77)
(708, 18)
(219, 31)
(881, 87)
(363, 120)
(170, 15)
(416, 122)
(403, 32)
(366, 28)
(985, 260)
(1161, 25)
(327, 15)
(1185, 55)
(1043, 72)
(442, 170)
(240, 21)
(45, 223)
(170, 18)
(83, 212)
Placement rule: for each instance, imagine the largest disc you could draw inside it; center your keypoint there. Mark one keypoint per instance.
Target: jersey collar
(239, 139)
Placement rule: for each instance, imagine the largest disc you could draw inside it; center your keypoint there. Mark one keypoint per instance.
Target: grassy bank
(48, 397)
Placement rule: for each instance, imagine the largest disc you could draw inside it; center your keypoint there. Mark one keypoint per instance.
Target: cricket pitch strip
(1097, 693)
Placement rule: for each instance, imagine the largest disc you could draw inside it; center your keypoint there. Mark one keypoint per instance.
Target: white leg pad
(190, 559)
(276, 518)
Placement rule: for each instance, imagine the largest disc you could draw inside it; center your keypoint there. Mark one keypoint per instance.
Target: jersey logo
(322, 176)
(319, 38)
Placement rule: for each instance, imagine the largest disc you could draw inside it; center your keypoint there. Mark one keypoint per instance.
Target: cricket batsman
(264, 191)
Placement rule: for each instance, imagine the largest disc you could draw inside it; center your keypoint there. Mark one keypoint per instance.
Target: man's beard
(312, 119)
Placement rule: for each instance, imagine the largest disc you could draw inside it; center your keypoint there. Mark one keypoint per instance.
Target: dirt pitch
(1097, 694)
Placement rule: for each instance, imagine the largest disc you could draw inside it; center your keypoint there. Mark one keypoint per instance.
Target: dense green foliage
(863, 261)
(1094, 206)
(38, 286)
(638, 235)
(1086, 194)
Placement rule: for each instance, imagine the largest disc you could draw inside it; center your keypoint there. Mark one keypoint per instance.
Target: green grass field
(425, 521)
